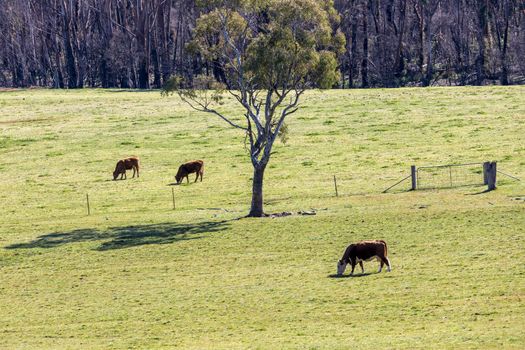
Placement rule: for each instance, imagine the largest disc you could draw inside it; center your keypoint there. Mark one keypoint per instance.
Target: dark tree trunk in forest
(504, 77)
(156, 69)
(421, 36)
(364, 62)
(142, 34)
(70, 62)
(103, 73)
(70, 58)
(400, 63)
(59, 74)
(428, 13)
(164, 33)
(480, 60)
(428, 29)
(501, 15)
(352, 59)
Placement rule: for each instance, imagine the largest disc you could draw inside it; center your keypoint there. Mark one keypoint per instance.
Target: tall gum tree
(270, 51)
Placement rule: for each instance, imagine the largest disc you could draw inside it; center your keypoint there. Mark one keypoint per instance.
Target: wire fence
(449, 176)
(113, 199)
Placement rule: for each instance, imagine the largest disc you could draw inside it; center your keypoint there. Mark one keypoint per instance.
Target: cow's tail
(388, 265)
(386, 249)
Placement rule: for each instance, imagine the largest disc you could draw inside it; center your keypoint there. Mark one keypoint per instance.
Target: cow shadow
(334, 275)
(126, 236)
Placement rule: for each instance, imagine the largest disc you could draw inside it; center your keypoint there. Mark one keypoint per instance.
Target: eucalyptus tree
(268, 52)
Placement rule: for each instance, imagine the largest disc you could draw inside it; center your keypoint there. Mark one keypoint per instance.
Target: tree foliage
(269, 53)
(141, 43)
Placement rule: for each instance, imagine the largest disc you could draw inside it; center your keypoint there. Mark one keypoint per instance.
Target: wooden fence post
(485, 173)
(491, 176)
(173, 197)
(87, 201)
(335, 185)
(413, 174)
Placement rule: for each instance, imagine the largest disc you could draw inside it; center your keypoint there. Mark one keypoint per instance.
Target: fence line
(439, 178)
(512, 177)
(448, 165)
(397, 183)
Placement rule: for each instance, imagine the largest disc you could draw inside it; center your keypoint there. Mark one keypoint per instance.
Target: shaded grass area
(125, 237)
(138, 274)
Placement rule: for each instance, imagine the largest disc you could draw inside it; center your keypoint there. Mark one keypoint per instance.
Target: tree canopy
(141, 43)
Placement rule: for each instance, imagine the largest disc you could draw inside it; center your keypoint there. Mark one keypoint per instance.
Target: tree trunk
(364, 62)
(156, 68)
(399, 64)
(421, 42)
(504, 77)
(428, 75)
(257, 192)
(164, 31)
(482, 29)
(70, 58)
(353, 61)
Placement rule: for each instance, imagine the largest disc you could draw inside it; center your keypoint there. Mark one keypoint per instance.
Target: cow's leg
(202, 173)
(385, 261)
(388, 266)
(362, 268)
(188, 178)
(353, 263)
(197, 177)
(133, 172)
(381, 263)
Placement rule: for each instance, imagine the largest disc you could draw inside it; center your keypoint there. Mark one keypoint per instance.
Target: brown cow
(364, 251)
(194, 166)
(126, 164)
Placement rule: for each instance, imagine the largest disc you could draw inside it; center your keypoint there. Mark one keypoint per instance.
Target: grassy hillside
(138, 274)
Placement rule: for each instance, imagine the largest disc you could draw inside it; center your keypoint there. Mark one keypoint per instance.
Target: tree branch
(204, 108)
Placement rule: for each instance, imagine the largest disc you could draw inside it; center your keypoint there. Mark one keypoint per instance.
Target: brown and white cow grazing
(126, 164)
(364, 251)
(194, 166)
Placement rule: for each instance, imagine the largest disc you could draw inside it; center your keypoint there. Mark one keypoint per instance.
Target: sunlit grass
(138, 274)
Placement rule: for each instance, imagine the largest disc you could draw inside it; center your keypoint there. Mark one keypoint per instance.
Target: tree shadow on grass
(126, 236)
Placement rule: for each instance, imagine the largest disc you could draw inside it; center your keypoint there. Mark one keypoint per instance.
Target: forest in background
(141, 43)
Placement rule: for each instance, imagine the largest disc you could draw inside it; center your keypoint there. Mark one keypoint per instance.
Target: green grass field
(138, 274)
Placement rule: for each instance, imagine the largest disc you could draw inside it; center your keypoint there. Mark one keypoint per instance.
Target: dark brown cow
(126, 164)
(364, 251)
(194, 166)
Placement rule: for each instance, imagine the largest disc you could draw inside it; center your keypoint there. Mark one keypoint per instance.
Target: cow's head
(180, 174)
(115, 174)
(341, 266)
